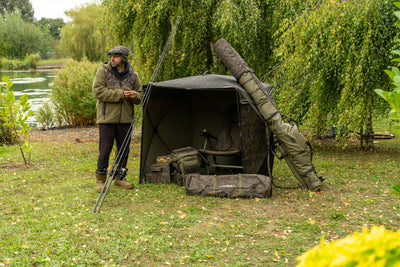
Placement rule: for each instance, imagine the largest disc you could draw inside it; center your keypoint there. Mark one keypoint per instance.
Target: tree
(53, 26)
(19, 38)
(81, 37)
(328, 53)
(331, 58)
(24, 6)
(144, 26)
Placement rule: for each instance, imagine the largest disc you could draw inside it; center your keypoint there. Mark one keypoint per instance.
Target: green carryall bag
(184, 161)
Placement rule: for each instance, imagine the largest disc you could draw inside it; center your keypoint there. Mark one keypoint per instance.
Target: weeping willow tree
(82, 37)
(332, 58)
(144, 26)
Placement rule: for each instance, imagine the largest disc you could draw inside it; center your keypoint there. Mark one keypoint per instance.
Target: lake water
(35, 84)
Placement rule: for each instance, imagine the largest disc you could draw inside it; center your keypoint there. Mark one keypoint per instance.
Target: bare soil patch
(16, 166)
(68, 134)
(73, 134)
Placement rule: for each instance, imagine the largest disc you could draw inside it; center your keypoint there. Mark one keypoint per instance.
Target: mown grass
(52, 61)
(47, 218)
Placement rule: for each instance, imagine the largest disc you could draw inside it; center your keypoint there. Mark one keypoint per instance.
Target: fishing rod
(121, 155)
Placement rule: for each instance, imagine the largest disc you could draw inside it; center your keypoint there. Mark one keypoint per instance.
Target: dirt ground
(68, 134)
(80, 134)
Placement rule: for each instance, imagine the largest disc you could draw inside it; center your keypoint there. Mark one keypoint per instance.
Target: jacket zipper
(120, 106)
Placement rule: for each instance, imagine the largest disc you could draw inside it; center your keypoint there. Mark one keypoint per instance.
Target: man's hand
(130, 94)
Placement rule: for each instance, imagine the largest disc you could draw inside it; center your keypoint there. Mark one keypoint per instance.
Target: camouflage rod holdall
(230, 185)
(293, 146)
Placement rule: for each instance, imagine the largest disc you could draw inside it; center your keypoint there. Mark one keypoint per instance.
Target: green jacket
(108, 89)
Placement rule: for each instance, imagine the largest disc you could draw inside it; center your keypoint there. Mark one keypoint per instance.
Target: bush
(72, 95)
(14, 115)
(29, 62)
(45, 115)
(393, 97)
(378, 247)
(7, 137)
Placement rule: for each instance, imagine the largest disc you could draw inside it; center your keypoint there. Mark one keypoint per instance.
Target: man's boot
(120, 180)
(100, 181)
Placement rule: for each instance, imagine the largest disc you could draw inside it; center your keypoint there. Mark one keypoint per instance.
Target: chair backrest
(229, 134)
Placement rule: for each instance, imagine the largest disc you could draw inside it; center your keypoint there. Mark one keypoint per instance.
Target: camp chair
(226, 156)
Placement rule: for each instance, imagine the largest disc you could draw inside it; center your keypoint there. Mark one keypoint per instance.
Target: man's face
(116, 61)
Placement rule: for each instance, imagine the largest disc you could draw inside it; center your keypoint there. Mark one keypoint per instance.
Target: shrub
(6, 135)
(45, 115)
(14, 114)
(393, 97)
(72, 95)
(378, 247)
(29, 62)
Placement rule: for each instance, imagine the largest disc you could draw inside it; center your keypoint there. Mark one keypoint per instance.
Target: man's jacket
(108, 88)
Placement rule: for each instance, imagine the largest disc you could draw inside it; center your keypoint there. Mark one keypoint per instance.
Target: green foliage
(53, 26)
(81, 37)
(393, 97)
(331, 56)
(45, 115)
(19, 38)
(29, 62)
(6, 134)
(72, 95)
(377, 247)
(144, 26)
(396, 189)
(14, 115)
(24, 6)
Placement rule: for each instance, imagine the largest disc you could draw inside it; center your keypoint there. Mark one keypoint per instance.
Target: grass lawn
(47, 218)
(52, 61)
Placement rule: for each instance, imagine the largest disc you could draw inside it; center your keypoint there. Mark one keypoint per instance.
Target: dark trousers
(107, 134)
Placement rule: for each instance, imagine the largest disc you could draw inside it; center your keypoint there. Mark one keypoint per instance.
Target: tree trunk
(369, 134)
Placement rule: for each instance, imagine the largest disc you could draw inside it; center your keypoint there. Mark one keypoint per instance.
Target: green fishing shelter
(178, 112)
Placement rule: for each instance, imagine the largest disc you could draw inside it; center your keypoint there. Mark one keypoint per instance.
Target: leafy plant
(393, 97)
(45, 115)
(377, 247)
(29, 62)
(72, 96)
(332, 55)
(14, 114)
(396, 189)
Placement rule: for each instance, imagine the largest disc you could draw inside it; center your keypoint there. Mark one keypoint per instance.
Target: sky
(55, 8)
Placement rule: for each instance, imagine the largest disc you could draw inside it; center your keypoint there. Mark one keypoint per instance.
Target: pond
(35, 84)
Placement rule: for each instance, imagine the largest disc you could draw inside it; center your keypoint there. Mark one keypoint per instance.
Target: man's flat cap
(119, 50)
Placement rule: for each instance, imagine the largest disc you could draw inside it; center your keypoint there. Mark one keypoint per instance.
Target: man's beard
(115, 64)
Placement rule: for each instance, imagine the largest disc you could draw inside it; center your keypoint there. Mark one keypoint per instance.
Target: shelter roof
(209, 81)
(206, 81)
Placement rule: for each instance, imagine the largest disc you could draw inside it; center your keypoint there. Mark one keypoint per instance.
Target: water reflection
(35, 84)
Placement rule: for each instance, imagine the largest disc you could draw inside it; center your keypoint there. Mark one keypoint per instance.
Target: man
(117, 88)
